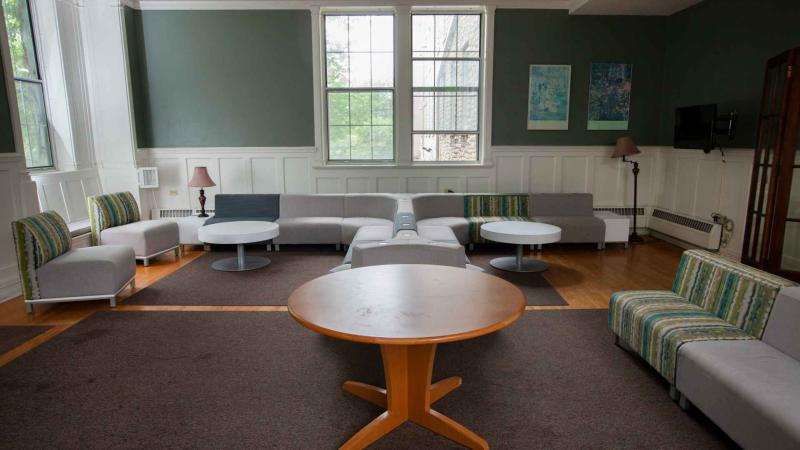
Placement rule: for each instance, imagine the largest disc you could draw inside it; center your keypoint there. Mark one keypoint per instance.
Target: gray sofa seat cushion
(307, 205)
(427, 206)
(365, 205)
(369, 233)
(101, 270)
(408, 252)
(782, 331)
(459, 225)
(561, 205)
(252, 206)
(309, 230)
(749, 388)
(147, 237)
(577, 229)
(437, 233)
(216, 219)
(350, 226)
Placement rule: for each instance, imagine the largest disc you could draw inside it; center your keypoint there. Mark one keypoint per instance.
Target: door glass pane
(794, 196)
(790, 260)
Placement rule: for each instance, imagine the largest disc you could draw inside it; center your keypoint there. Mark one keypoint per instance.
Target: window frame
(34, 26)
(481, 87)
(326, 90)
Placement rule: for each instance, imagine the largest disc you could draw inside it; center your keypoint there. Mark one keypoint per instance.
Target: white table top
(526, 233)
(243, 232)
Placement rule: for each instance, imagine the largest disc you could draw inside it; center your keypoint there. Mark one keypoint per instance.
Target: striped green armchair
(115, 220)
(712, 299)
(50, 270)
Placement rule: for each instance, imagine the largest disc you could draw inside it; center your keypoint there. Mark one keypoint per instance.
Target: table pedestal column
(241, 262)
(519, 263)
(408, 396)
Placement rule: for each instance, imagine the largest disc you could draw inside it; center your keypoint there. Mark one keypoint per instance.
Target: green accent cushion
(111, 210)
(485, 208)
(37, 240)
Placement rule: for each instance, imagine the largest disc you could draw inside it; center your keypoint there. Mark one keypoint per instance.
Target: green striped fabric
(111, 210)
(485, 208)
(656, 323)
(738, 294)
(38, 239)
(713, 298)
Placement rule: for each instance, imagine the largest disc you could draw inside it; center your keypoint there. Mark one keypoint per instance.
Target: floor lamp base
(634, 237)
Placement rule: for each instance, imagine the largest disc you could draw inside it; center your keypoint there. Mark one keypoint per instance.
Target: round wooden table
(407, 310)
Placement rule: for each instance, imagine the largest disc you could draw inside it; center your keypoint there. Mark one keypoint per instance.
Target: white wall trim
(303, 4)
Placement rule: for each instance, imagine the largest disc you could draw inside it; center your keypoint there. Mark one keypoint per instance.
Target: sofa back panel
(561, 205)
(428, 206)
(422, 252)
(738, 294)
(306, 205)
(496, 205)
(362, 205)
(247, 205)
(783, 330)
(38, 239)
(111, 210)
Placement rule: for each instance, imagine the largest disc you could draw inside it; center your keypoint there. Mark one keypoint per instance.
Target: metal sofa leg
(178, 252)
(133, 283)
(338, 247)
(29, 308)
(471, 246)
(113, 302)
(539, 248)
(269, 247)
(674, 393)
(146, 262)
(684, 402)
(277, 247)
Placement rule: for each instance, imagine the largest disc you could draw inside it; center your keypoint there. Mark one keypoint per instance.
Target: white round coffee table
(239, 233)
(522, 234)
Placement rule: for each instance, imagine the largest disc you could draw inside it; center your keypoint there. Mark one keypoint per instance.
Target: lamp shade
(625, 147)
(200, 178)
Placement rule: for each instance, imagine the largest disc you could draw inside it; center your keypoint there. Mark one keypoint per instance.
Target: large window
(359, 88)
(28, 84)
(446, 59)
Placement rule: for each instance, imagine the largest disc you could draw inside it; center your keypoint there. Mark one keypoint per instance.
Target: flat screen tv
(694, 127)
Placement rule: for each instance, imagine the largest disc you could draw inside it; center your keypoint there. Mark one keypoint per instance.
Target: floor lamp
(624, 148)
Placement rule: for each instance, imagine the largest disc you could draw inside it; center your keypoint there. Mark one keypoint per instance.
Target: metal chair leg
(277, 247)
(29, 308)
(684, 402)
(146, 262)
(674, 393)
(338, 247)
(113, 302)
(269, 247)
(178, 252)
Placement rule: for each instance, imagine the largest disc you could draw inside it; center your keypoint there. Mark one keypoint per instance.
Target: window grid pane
(446, 87)
(359, 89)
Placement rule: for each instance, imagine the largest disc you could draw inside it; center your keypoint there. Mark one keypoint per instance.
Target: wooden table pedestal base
(408, 396)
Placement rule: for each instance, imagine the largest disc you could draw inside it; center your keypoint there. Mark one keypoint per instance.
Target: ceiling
(579, 7)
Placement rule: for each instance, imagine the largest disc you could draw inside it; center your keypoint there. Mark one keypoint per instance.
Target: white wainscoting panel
(265, 176)
(66, 192)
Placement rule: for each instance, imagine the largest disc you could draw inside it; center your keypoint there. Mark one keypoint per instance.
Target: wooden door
(772, 233)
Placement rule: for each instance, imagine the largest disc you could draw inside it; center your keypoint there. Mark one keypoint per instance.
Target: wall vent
(175, 213)
(626, 211)
(698, 225)
(698, 232)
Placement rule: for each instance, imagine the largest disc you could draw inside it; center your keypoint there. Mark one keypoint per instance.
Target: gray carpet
(13, 336)
(198, 284)
(553, 379)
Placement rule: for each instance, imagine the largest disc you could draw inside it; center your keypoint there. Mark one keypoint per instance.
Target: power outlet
(173, 192)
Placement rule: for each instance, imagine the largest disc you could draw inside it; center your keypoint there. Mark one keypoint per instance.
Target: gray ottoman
(148, 238)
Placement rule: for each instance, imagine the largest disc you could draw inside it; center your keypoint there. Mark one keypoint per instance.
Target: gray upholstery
(405, 221)
(749, 388)
(561, 205)
(437, 233)
(237, 207)
(364, 205)
(783, 327)
(82, 272)
(368, 234)
(459, 225)
(427, 206)
(408, 252)
(308, 205)
(577, 229)
(146, 237)
(309, 230)
(350, 226)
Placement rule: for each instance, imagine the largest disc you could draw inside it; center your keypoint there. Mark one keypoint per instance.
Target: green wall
(229, 78)
(6, 127)
(716, 52)
(524, 37)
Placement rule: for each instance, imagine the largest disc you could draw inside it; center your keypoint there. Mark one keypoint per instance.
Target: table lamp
(200, 179)
(624, 148)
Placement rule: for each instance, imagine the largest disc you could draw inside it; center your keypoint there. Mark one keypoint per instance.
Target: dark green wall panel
(524, 37)
(229, 78)
(716, 52)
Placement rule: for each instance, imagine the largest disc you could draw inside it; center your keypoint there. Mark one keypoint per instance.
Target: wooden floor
(584, 277)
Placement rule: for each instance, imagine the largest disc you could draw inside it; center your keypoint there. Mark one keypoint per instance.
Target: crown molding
(310, 4)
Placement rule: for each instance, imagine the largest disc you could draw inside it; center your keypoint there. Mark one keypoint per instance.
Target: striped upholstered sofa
(726, 339)
(115, 220)
(50, 270)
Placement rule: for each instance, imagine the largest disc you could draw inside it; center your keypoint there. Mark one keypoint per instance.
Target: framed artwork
(548, 97)
(609, 96)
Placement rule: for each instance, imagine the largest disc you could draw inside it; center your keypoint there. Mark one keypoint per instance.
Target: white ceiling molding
(308, 4)
(630, 7)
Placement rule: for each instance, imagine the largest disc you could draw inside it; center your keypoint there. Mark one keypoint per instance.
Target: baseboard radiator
(174, 213)
(701, 233)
